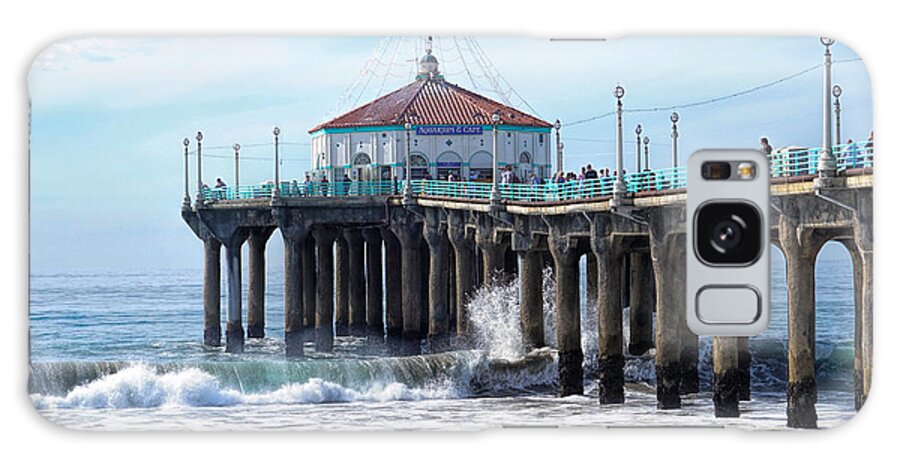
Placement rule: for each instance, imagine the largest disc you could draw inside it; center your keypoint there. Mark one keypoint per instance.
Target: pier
(427, 231)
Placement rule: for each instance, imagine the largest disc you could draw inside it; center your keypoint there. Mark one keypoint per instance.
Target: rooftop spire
(428, 65)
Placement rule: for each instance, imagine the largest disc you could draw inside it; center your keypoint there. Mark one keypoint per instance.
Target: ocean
(123, 351)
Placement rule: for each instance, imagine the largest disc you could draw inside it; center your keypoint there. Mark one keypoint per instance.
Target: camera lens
(728, 233)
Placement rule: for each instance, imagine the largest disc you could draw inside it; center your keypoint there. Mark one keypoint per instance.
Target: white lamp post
(187, 189)
(407, 185)
(199, 139)
(237, 168)
(559, 147)
(646, 152)
(495, 190)
(637, 131)
(827, 165)
(619, 184)
(674, 118)
(837, 91)
(275, 191)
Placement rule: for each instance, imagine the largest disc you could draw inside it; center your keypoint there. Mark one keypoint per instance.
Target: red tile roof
(430, 101)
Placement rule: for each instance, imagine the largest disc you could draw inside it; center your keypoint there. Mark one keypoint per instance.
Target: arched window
(524, 158)
(481, 165)
(448, 162)
(362, 159)
(418, 165)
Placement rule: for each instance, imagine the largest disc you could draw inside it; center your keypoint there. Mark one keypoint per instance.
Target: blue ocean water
(123, 350)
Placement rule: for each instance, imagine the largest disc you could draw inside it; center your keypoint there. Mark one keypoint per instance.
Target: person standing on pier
(764, 146)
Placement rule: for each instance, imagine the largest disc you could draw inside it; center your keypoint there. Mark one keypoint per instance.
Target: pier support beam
(309, 287)
(435, 233)
(726, 377)
(356, 281)
(493, 251)
(642, 302)
(743, 347)
(393, 284)
(568, 312)
(374, 291)
(234, 328)
(409, 233)
(690, 355)
(463, 241)
(294, 247)
(862, 236)
(212, 292)
(531, 298)
(256, 288)
(591, 276)
(325, 237)
(800, 249)
(607, 262)
(341, 286)
(667, 251)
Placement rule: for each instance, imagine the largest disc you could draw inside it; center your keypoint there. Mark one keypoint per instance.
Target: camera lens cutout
(728, 233)
(716, 170)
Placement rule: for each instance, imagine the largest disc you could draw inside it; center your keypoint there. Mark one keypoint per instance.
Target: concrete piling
(667, 253)
(568, 314)
(374, 291)
(531, 298)
(393, 284)
(463, 241)
(212, 292)
(641, 303)
(424, 266)
(590, 280)
(726, 377)
(325, 238)
(800, 251)
(743, 353)
(409, 234)
(234, 329)
(341, 286)
(435, 234)
(309, 287)
(293, 294)
(690, 355)
(256, 287)
(862, 237)
(356, 281)
(607, 262)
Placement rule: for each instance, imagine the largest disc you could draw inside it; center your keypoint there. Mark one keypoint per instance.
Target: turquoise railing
(787, 162)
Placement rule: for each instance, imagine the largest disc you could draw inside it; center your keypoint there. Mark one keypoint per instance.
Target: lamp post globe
(826, 41)
(674, 118)
(638, 130)
(619, 91)
(837, 91)
(557, 125)
(199, 136)
(646, 140)
(186, 141)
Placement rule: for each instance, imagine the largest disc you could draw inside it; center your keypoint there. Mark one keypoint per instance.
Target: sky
(108, 115)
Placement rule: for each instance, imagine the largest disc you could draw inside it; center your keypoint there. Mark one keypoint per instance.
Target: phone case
(479, 232)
